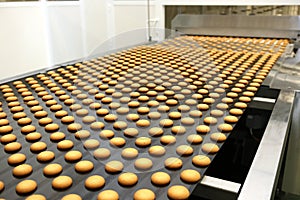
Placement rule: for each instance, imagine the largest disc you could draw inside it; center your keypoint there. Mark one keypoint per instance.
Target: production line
(195, 116)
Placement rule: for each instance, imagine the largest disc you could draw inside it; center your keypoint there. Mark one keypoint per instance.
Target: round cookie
(178, 130)
(218, 137)
(57, 136)
(32, 137)
(166, 123)
(65, 145)
(231, 119)
(168, 139)
(156, 131)
(117, 142)
(84, 166)
(16, 159)
(94, 182)
(36, 197)
(67, 119)
(144, 194)
(225, 128)
(91, 144)
(5, 129)
(156, 150)
(143, 141)
(108, 195)
(178, 192)
(101, 153)
(71, 197)
(12, 147)
(114, 166)
(28, 129)
(194, 139)
(129, 153)
(73, 156)
(62, 182)
(38, 147)
(45, 156)
(8, 138)
(201, 160)
(22, 170)
(52, 169)
(51, 127)
(210, 120)
(173, 163)
(143, 163)
(190, 176)
(184, 150)
(210, 148)
(160, 178)
(143, 123)
(26, 187)
(203, 129)
(128, 179)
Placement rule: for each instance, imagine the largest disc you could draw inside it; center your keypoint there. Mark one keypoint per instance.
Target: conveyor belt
(191, 81)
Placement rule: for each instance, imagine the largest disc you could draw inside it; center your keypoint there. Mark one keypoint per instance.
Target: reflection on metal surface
(221, 184)
(291, 178)
(262, 99)
(263, 173)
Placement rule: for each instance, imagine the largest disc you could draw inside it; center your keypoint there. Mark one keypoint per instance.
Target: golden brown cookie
(114, 166)
(36, 197)
(45, 156)
(190, 176)
(12, 147)
(73, 156)
(178, 130)
(84, 166)
(108, 195)
(8, 138)
(101, 153)
(91, 144)
(6, 129)
(210, 148)
(173, 163)
(194, 139)
(201, 160)
(203, 129)
(178, 192)
(62, 182)
(160, 178)
(57, 136)
(231, 119)
(184, 150)
(143, 141)
(168, 139)
(71, 197)
(129, 153)
(38, 147)
(128, 179)
(143, 163)
(218, 137)
(26, 187)
(94, 182)
(144, 194)
(34, 136)
(22, 170)
(16, 159)
(210, 120)
(156, 150)
(117, 141)
(225, 128)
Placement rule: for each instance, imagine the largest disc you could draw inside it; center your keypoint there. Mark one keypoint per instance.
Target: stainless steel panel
(263, 174)
(230, 25)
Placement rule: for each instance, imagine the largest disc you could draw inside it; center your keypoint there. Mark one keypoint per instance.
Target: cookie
(216, 113)
(166, 123)
(201, 160)
(194, 139)
(144, 194)
(12, 147)
(160, 178)
(101, 153)
(67, 119)
(156, 131)
(117, 142)
(8, 138)
(143, 141)
(240, 105)
(36, 197)
(114, 166)
(143, 123)
(57, 136)
(129, 153)
(156, 150)
(184, 150)
(73, 156)
(16, 159)
(210, 148)
(178, 192)
(190, 176)
(225, 128)
(44, 121)
(168, 139)
(94, 182)
(173, 163)
(231, 119)
(203, 129)
(84, 166)
(38, 147)
(178, 130)
(174, 115)
(62, 182)
(154, 115)
(108, 195)
(6, 129)
(128, 179)
(143, 163)
(22, 170)
(32, 137)
(65, 145)
(218, 137)
(28, 129)
(202, 107)
(82, 134)
(74, 127)
(26, 187)
(45, 156)
(71, 197)
(210, 120)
